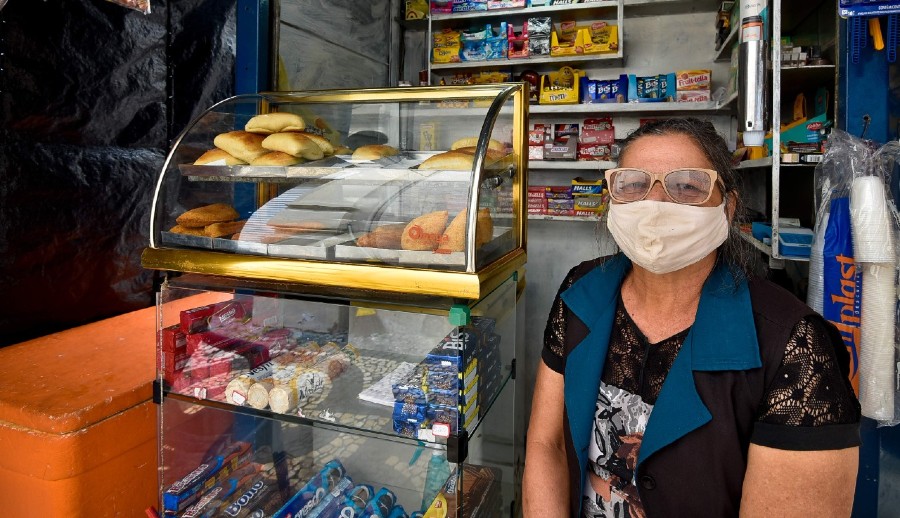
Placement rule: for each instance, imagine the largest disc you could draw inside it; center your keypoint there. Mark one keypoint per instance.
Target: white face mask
(662, 236)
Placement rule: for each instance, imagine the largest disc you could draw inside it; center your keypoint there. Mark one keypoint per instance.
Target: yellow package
(600, 38)
(416, 9)
(571, 47)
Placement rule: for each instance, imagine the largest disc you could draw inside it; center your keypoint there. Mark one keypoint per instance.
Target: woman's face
(661, 153)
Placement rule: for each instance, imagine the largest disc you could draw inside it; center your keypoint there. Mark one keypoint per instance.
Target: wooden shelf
(759, 162)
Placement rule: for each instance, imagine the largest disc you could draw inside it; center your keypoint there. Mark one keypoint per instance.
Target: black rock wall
(91, 96)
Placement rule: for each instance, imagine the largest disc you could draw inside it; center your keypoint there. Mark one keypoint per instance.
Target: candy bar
(306, 385)
(206, 476)
(237, 389)
(216, 315)
(381, 504)
(208, 504)
(332, 502)
(261, 498)
(309, 496)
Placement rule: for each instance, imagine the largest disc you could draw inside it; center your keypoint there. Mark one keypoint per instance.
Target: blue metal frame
(251, 73)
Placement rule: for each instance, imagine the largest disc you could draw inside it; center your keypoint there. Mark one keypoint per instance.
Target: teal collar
(723, 337)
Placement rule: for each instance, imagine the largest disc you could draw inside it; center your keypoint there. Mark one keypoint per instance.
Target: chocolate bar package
(309, 496)
(479, 486)
(213, 316)
(208, 504)
(332, 503)
(207, 475)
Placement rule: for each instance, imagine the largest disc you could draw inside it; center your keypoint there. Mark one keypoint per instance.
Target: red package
(170, 363)
(214, 316)
(173, 340)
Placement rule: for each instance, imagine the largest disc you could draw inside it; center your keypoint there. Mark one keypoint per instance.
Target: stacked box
(596, 139)
(693, 85)
(590, 197)
(452, 385)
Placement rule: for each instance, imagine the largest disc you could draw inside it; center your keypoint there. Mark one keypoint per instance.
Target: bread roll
(277, 158)
(424, 232)
(385, 236)
(216, 155)
(241, 144)
(473, 141)
(223, 229)
(374, 152)
(343, 150)
(269, 123)
(296, 144)
(207, 215)
(322, 142)
(491, 156)
(449, 160)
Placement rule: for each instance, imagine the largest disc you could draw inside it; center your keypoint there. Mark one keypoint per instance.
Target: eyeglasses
(688, 186)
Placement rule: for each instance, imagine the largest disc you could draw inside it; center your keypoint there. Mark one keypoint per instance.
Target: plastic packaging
(438, 473)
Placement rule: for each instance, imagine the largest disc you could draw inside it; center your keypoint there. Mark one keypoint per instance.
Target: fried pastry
(178, 229)
(223, 229)
(424, 232)
(207, 215)
(454, 236)
(385, 236)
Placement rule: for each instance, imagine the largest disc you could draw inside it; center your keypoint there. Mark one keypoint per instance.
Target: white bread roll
(374, 152)
(449, 160)
(215, 155)
(473, 141)
(241, 144)
(269, 123)
(277, 158)
(296, 144)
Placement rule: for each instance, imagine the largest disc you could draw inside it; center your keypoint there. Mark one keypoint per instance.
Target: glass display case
(310, 364)
(288, 185)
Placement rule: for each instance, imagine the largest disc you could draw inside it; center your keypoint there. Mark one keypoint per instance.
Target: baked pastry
(241, 144)
(276, 158)
(269, 123)
(216, 155)
(178, 229)
(454, 237)
(385, 236)
(424, 232)
(492, 156)
(448, 160)
(374, 152)
(473, 141)
(223, 229)
(322, 142)
(296, 144)
(207, 215)
(343, 150)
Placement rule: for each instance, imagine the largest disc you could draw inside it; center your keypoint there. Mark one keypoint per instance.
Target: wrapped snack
(237, 389)
(258, 394)
(381, 504)
(303, 387)
(207, 475)
(261, 498)
(309, 496)
(332, 502)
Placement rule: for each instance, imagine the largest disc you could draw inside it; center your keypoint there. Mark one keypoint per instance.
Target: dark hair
(734, 251)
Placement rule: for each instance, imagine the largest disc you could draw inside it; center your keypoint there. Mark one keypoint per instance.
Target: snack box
(600, 38)
(693, 96)
(473, 43)
(505, 4)
(693, 79)
(580, 186)
(416, 9)
(465, 6)
(659, 88)
(604, 91)
(561, 87)
(441, 6)
(517, 41)
(568, 41)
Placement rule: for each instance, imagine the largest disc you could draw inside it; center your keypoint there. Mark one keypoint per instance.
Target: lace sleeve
(554, 353)
(811, 388)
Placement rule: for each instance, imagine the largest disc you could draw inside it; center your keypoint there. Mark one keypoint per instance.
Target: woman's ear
(730, 205)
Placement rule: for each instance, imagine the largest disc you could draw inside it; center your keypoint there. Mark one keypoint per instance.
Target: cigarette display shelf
(319, 379)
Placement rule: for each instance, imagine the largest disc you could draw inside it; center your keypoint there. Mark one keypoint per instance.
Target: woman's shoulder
(775, 303)
(585, 267)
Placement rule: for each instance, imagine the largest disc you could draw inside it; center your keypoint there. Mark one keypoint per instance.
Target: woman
(672, 382)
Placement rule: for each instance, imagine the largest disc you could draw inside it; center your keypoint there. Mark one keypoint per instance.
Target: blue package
(413, 412)
(398, 512)
(355, 500)
(380, 505)
(312, 493)
(496, 44)
(842, 290)
(332, 502)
